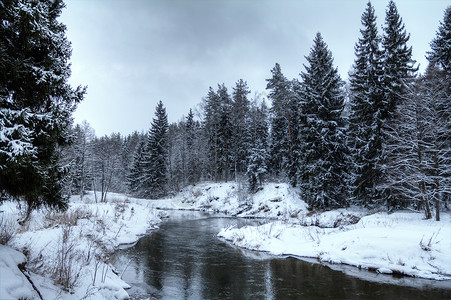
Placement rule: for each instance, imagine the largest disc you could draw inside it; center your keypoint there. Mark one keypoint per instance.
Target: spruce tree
(324, 153)
(440, 53)
(240, 111)
(438, 93)
(281, 137)
(135, 176)
(211, 123)
(156, 154)
(366, 116)
(257, 154)
(398, 75)
(225, 163)
(36, 102)
(192, 155)
(397, 59)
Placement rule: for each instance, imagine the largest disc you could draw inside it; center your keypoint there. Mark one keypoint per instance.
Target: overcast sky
(131, 54)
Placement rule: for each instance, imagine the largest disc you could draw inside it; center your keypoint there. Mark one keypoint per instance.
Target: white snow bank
(401, 243)
(274, 200)
(73, 249)
(13, 283)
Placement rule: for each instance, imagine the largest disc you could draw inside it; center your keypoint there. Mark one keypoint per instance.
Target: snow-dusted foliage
(440, 53)
(36, 101)
(398, 79)
(283, 120)
(324, 160)
(155, 163)
(257, 156)
(367, 109)
(15, 137)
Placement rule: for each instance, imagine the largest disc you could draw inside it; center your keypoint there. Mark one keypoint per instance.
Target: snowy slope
(13, 283)
(274, 200)
(78, 242)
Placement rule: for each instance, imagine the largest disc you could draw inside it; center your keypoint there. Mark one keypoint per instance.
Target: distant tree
(155, 183)
(130, 143)
(211, 123)
(225, 159)
(80, 157)
(324, 152)
(36, 102)
(366, 115)
(106, 166)
(239, 116)
(193, 152)
(177, 156)
(135, 176)
(281, 136)
(258, 150)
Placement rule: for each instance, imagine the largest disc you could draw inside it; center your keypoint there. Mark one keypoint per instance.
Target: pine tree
(257, 156)
(135, 176)
(281, 136)
(155, 183)
(211, 123)
(240, 111)
(440, 53)
(398, 65)
(438, 93)
(36, 102)
(324, 153)
(225, 163)
(398, 75)
(367, 110)
(81, 179)
(192, 153)
(177, 156)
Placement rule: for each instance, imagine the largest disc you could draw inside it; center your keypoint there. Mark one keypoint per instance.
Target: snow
(274, 200)
(89, 233)
(401, 243)
(79, 242)
(13, 284)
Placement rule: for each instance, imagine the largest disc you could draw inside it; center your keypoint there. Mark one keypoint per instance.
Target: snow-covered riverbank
(68, 254)
(399, 243)
(77, 246)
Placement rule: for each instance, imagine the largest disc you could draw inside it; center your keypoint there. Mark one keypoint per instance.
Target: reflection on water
(185, 260)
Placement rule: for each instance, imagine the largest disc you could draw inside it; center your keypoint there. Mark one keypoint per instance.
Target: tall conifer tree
(367, 109)
(258, 156)
(240, 111)
(36, 102)
(155, 183)
(281, 137)
(398, 75)
(324, 153)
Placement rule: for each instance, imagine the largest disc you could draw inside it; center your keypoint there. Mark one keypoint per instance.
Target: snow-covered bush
(7, 230)
(67, 267)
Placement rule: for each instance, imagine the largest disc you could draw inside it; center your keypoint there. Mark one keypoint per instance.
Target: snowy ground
(77, 246)
(74, 246)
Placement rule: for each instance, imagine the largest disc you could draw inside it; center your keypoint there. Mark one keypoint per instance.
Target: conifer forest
(382, 139)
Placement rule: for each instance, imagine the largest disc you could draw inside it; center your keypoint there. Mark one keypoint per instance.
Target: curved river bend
(185, 260)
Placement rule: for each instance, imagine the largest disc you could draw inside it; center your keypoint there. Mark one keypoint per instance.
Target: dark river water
(185, 260)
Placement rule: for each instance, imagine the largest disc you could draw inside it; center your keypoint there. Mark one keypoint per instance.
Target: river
(185, 260)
